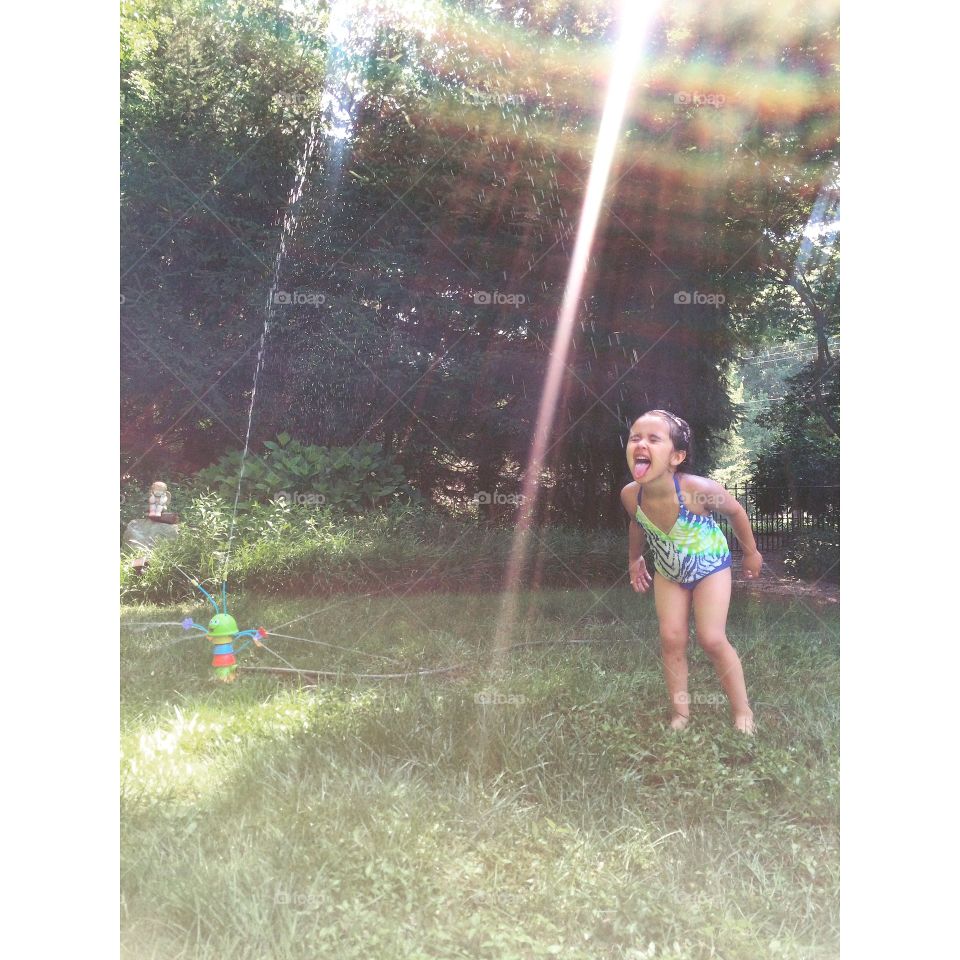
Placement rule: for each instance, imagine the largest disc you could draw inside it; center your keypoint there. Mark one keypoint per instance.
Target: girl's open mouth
(640, 467)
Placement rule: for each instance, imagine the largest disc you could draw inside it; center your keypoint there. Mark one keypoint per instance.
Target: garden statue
(157, 504)
(144, 532)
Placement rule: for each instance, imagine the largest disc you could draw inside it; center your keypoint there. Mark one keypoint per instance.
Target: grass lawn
(534, 809)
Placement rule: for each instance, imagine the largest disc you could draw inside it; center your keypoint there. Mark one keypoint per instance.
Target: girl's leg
(673, 612)
(711, 601)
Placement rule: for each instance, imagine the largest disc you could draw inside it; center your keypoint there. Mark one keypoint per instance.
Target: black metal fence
(774, 529)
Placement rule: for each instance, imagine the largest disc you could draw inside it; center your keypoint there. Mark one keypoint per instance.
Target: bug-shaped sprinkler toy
(222, 632)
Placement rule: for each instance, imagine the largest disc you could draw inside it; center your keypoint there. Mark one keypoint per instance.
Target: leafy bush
(814, 555)
(346, 478)
(801, 468)
(133, 502)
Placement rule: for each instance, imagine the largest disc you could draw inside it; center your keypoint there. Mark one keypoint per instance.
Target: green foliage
(133, 502)
(802, 466)
(789, 308)
(814, 555)
(285, 549)
(349, 479)
(217, 98)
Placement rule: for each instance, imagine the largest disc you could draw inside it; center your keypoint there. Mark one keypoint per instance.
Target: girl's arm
(640, 578)
(717, 499)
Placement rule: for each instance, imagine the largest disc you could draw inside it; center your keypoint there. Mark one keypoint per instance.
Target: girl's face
(650, 451)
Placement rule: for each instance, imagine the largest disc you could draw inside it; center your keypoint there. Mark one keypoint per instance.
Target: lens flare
(635, 20)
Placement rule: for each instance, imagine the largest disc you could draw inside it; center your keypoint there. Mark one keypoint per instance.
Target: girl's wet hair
(681, 436)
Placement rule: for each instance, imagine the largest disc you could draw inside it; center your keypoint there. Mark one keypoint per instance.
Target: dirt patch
(775, 581)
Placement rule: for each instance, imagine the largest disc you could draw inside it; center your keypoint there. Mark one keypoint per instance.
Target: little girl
(692, 559)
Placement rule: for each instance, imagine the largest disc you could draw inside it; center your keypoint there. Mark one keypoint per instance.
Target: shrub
(814, 555)
(133, 502)
(352, 479)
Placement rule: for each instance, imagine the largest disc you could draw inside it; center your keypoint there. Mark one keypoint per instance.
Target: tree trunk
(488, 476)
(824, 360)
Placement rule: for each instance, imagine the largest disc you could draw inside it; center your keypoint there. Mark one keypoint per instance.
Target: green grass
(406, 819)
(284, 551)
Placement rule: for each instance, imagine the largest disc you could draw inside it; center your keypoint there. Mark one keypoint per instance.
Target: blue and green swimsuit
(694, 548)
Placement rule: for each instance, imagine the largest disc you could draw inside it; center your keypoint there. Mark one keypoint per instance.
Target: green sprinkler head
(222, 625)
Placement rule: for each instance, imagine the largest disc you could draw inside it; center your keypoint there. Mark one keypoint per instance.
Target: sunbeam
(635, 20)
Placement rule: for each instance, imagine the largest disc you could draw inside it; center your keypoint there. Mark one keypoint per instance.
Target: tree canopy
(421, 286)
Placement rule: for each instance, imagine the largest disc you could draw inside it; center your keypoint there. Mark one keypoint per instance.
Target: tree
(435, 230)
(802, 467)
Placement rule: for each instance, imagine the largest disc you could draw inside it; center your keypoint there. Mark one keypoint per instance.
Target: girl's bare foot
(678, 721)
(744, 723)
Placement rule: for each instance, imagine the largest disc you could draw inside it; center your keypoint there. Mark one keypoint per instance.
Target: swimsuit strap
(676, 483)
